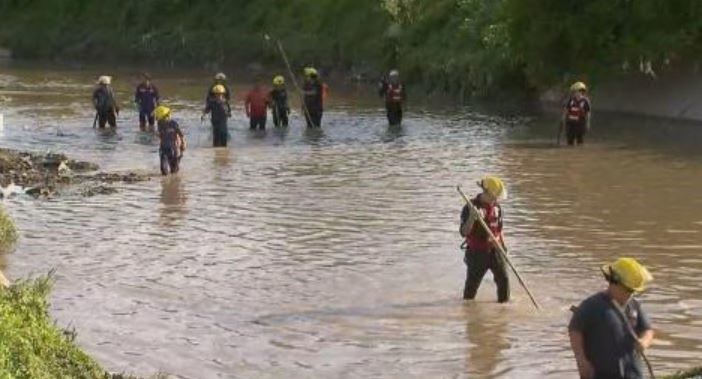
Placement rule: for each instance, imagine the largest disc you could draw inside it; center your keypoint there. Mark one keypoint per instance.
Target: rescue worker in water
(610, 327)
(219, 109)
(278, 101)
(172, 139)
(105, 103)
(146, 98)
(480, 253)
(314, 91)
(393, 91)
(576, 114)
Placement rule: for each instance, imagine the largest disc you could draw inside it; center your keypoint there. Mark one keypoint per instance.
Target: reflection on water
(486, 329)
(334, 253)
(173, 198)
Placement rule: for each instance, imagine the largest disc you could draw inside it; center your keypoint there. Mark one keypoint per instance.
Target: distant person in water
(278, 101)
(256, 106)
(576, 114)
(314, 92)
(219, 80)
(172, 139)
(219, 109)
(393, 91)
(147, 98)
(105, 103)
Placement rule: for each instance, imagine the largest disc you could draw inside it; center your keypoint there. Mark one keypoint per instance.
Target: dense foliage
(466, 47)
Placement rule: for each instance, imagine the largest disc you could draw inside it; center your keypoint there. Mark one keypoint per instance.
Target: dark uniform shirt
(609, 346)
(219, 109)
(104, 99)
(147, 97)
(169, 132)
(314, 95)
(279, 99)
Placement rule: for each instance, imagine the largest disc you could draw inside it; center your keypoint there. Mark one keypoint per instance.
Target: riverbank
(46, 175)
(34, 346)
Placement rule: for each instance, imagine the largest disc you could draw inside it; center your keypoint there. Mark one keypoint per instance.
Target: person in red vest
(393, 91)
(576, 114)
(481, 254)
(256, 105)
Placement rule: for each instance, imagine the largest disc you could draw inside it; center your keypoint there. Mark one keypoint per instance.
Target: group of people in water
(607, 331)
(257, 102)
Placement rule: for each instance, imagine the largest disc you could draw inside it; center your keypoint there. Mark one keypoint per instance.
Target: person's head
(146, 78)
(578, 89)
(279, 81)
(162, 113)
(220, 77)
(218, 91)
(493, 189)
(626, 277)
(104, 80)
(311, 73)
(394, 76)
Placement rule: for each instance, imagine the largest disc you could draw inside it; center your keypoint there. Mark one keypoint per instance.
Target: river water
(336, 254)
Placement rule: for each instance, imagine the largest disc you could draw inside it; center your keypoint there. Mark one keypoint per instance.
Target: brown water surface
(334, 254)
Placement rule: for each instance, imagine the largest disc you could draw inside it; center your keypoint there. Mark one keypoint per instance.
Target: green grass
(31, 345)
(8, 232)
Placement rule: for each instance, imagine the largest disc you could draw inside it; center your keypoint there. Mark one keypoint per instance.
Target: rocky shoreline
(50, 174)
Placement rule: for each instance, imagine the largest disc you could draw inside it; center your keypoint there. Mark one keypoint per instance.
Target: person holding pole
(481, 253)
(313, 100)
(609, 329)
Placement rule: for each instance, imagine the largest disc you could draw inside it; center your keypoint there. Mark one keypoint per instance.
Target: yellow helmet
(578, 86)
(494, 186)
(278, 80)
(161, 112)
(628, 273)
(310, 71)
(218, 89)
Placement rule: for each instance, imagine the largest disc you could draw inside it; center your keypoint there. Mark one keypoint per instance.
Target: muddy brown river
(335, 254)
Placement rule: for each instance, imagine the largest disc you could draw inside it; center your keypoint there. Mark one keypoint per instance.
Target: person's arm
(137, 99)
(247, 105)
(157, 96)
(382, 87)
(588, 114)
(643, 329)
(577, 343)
(95, 99)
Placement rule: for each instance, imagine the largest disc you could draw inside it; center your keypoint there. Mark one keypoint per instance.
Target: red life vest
(394, 93)
(576, 110)
(477, 237)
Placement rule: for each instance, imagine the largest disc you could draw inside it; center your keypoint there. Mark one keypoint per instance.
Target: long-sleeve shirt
(104, 99)
(147, 97)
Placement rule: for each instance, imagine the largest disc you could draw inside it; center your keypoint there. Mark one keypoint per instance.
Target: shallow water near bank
(334, 253)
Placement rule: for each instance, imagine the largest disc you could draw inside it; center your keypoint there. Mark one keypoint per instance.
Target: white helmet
(104, 79)
(394, 73)
(220, 76)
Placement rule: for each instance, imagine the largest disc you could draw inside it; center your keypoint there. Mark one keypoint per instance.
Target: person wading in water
(393, 91)
(481, 254)
(105, 103)
(146, 98)
(609, 328)
(576, 114)
(172, 139)
(220, 111)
